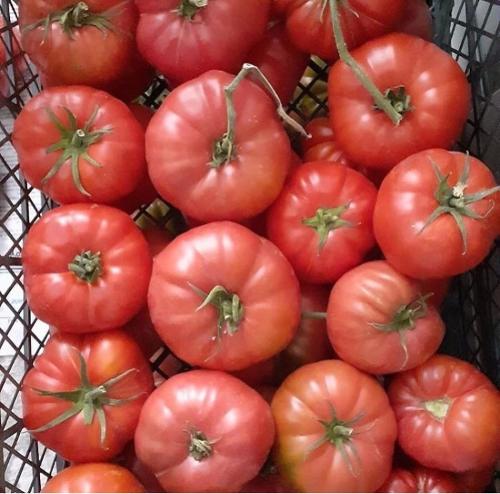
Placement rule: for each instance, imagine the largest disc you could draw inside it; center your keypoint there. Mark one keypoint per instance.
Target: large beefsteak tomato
(420, 479)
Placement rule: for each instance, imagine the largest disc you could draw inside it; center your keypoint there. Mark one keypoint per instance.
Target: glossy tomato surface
(380, 321)
(438, 104)
(425, 246)
(253, 312)
(204, 431)
(183, 41)
(108, 366)
(94, 477)
(182, 159)
(420, 479)
(86, 268)
(78, 130)
(309, 24)
(335, 429)
(447, 414)
(322, 220)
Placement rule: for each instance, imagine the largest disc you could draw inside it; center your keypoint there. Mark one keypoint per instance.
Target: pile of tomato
(303, 293)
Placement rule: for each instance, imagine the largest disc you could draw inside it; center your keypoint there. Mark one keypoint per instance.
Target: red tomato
(279, 60)
(309, 26)
(419, 479)
(222, 297)
(79, 144)
(84, 394)
(437, 214)
(424, 82)
(319, 131)
(322, 221)
(186, 150)
(260, 374)
(94, 477)
(335, 429)
(185, 38)
(86, 268)
(417, 20)
(89, 43)
(475, 481)
(380, 321)
(447, 414)
(204, 431)
(439, 289)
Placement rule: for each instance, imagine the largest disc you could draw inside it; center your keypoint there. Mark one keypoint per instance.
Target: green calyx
(399, 99)
(88, 399)
(74, 144)
(189, 8)
(87, 266)
(223, 150)
(454, 201)
(200, 447)
(438, 408)
(326, 220)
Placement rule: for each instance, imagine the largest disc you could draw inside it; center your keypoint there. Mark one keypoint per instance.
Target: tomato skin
(58, 56)
(439, 92)
(179, 147)
(107, 355)
(419, 479)
(468, 435)
(228, 412)
(94, 477)
(229, 255)
(407, 199)
(323, 185)
(320, 131)
(306, 397)
(217, 38)
(371, 293)
(309, 25)
(417, 20)
(120, 151)
(476, 481)
(57, 296)
(438, 287)
(279, 60)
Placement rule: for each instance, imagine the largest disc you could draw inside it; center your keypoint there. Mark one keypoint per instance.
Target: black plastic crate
(468, 29)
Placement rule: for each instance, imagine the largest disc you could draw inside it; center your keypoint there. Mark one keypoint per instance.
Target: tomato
(439, 289)
(222, 297)
(335, 429)
(322, 220)
(419, 479)
(279, 60)
(185, 38)
(59, 35)
(94, 477)
(319, 131)
(260, 374)
(417, 20)
(310, 29)
(84, 394)
(437, 214)
(380, 321)
(447, 414)
(204, 431)
(426, 85)
(86, 268)
(188, 157)
(79, 144)
(475, 481)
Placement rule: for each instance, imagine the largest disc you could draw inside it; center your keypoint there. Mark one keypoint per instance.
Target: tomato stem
(189, 8)
(438, 408)
(326, 220)
(87, 266)
(200, 447)
(382, 102)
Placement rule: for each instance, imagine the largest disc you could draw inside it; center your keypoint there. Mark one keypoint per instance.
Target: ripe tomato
(89, 43)
(185, 38)
(309, 25)
(335, 429)
(86, 268)
(279, 60)
(447, 414)
(475, 481)
(84, 394)
(322, 221)
(437, 214)
(224, 298)
(380, 321)
(438, 287)
(420, 479)
(417, 20)
(422, 82)
(94, 477)
(204, 431)
(79, 144)
(189, 154)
